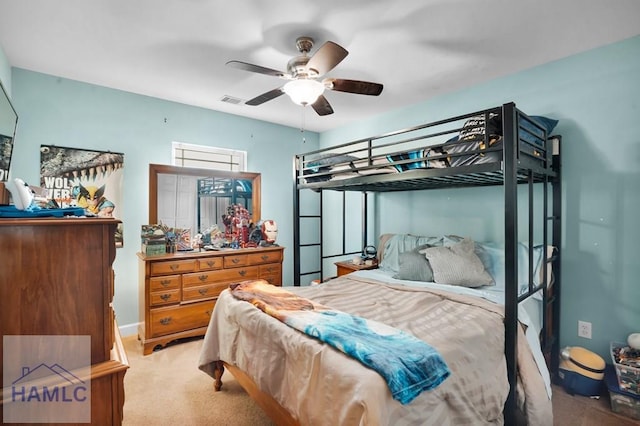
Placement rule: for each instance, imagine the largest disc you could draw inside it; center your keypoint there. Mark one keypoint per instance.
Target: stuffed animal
(634, 340)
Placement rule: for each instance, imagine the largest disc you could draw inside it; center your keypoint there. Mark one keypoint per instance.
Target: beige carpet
(576, 410)
(166, 388)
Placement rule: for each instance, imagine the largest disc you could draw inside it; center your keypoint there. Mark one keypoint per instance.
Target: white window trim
(235, 156)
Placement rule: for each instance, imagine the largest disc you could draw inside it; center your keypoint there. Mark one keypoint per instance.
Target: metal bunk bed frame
(520, 165)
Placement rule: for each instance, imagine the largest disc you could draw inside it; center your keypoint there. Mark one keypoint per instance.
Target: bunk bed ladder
(298, 246)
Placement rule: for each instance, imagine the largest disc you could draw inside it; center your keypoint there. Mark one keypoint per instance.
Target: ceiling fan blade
(327, 57)
(271, 94)
(322, 106)
(256, 68)
(354, 86)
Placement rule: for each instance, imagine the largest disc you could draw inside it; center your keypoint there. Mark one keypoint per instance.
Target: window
(207, 157)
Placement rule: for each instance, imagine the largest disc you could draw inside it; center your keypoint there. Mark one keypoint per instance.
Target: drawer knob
(165, 321)
(211, 263)
(165, 297)
(203, 277)
(165, 282)
(265, 257)
(235, 260)
(208, 312)
(174, 267)
(203, 291)
(242, 272)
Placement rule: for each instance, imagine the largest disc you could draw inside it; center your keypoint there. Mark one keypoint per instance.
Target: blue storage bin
(625, 403)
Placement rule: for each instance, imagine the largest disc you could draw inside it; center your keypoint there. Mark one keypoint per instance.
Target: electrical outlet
(584, 329)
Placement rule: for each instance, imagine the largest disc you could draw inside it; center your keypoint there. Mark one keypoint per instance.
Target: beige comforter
(322, 386)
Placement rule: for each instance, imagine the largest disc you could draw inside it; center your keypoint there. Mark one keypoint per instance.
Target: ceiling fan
(303, 73)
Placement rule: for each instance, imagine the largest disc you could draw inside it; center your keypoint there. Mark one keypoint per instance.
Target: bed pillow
(492, 256)
(547, 123)
(400, 243)
(414, 266)
(457, 264)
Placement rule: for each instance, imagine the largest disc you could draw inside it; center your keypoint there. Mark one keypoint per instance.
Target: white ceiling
(177, 49)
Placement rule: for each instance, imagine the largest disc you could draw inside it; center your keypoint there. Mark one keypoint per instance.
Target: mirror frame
(14, 123)
(156, 169)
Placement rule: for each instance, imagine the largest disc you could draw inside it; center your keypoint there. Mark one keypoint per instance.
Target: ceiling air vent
(231, 100)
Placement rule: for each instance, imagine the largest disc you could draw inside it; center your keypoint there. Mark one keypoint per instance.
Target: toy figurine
(269, 232)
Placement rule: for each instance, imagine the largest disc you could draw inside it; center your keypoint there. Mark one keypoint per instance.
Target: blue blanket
(408, 364)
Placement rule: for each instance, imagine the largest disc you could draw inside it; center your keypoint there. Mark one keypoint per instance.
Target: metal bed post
(296, 222)
(557, 243)
(365, 209)
(510, 155)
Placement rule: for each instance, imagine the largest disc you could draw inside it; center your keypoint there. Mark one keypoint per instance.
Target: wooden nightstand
(348, 266)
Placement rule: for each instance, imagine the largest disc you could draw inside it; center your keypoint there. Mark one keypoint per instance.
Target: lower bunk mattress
(320, 385)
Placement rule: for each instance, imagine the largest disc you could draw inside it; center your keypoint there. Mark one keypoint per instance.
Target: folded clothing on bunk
(472, 138)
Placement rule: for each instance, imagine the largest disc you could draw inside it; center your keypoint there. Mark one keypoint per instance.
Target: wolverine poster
(84, 178)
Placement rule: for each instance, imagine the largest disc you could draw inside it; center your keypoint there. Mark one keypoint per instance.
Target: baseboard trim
(128, 329)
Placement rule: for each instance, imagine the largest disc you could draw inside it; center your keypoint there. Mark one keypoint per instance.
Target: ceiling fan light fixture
(303, 91)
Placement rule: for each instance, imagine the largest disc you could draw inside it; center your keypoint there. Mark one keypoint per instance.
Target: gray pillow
(414, 266)
(457, 264)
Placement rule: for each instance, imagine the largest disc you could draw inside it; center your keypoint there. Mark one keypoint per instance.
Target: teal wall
(595, 96)
(56, 111)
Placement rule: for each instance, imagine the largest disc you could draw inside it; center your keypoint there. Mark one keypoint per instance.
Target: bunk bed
(500, 146)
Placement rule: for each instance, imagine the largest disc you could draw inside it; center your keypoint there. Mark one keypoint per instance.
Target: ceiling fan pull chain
(302, 126)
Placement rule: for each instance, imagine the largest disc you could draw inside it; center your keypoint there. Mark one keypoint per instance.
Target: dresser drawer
(231, 261)
(272, 273)
(168, 282)
(237, 274)
(173, 267)
(180, 318)
(210, 263)
(198, 278)
(203, 292)
(222, 276)
(164, 297)
(270, 269)
(265, 257)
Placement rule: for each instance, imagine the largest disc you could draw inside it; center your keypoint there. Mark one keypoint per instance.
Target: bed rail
(430, 156)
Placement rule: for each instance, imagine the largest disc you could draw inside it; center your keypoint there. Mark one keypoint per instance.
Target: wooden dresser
(56, 278)
(178, 291)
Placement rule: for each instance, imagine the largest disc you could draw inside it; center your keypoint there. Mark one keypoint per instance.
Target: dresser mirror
(196, 199)
(8, 122)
